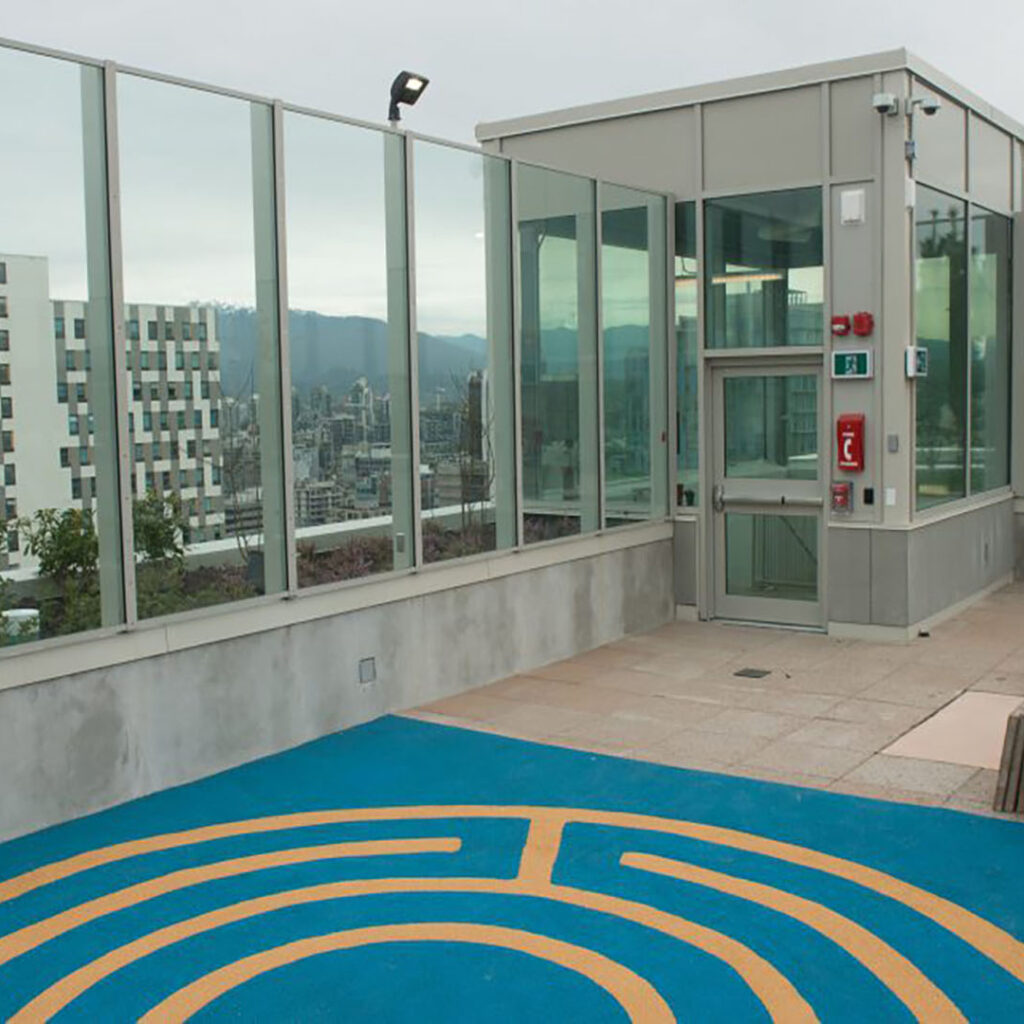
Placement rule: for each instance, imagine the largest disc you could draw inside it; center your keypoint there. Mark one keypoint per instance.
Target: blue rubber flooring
(406, 871)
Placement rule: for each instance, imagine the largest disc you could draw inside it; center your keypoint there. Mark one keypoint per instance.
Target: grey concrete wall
(1018, 545)
(684, 549)
(76, 744)
(885, 577)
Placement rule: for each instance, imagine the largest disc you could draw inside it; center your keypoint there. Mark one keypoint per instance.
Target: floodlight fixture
(406, 88)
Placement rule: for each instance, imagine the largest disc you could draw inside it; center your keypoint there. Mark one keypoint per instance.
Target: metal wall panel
(763, 141)
(854, 127)
(941, 143)
(646, 151)
(990, 178)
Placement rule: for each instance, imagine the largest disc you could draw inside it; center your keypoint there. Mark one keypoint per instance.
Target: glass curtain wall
(687, 363)
(633, 247)
(349, 339)
(200, 287)
(941, 312)
(60, 536)
(558, 254)
(464, 345)
(989, 327)
(765, 283)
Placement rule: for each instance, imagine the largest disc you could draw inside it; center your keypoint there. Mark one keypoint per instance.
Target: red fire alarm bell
(840, 326)
(863, 324)
(850, 442)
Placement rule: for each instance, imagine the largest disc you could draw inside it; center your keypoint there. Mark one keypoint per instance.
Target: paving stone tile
(979, 788)
(849, 735)
(616, 731)
(933, 777)
(568, 671)
(695, 746)
(1000, 681)
(539, 721)
(685, 713)
(786, 756)
(920, 686)
(478, 706)
(876, 792)
(877, 712)
(746, 722)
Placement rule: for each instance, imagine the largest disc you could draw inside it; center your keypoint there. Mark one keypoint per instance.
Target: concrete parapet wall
(77, 743)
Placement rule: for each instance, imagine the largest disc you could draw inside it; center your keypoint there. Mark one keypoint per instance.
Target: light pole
(406, 88)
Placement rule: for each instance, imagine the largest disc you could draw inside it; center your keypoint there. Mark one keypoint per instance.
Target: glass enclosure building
(844, 281)
(303, 419)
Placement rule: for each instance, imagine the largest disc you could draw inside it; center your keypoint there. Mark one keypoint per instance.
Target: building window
(10, 475)
(65, 457)
(151, 330)
(199, 477)
(165, 479)
(92, 423)
(137, 390)
(133, 330)
(181, 478)
(69, 360)
(190, 449)
(73, 424)
(188, 388)
(211, 360)
(131, 423)
(765, 269)
(139, 453)
(79, 328)
(147, 420)
(5, 374)
(204, 389)
(197, 419)
(180, 417)
(7, 440)
(7, 408)
(5, 340)
(195, 360)
(161, 360)
(58, 328)
(76, 488)
(214, 418)
(179, 359)
(201, 331)
(150, 481)
(3, 272)
(83, 456)
(154, 392)
(164, 421)
(62, 391)
(989, 333)
(186, 331)
(941, 316)
(3, 305)
(143, 360)
(215, 475)
(169, 330)
(11, 508)
(687, 344)
(12, 541)
(172, 390)
(80, 391)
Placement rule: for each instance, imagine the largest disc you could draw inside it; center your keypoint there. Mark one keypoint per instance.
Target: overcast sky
(492, 60)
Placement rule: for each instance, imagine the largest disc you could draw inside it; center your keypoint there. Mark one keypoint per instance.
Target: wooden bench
(1010, 784)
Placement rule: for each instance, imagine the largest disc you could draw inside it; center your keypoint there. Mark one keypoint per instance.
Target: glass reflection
(687, 412)
(771, 556)
(200, 295)
(990, 351)
(463, 321)
(941, 316)
(348, 331)
(557, 236)
(766, 277)
(60, 557)
(632, 226)
(771, 427)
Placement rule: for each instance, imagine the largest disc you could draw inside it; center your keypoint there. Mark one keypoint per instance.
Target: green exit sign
(852, 364)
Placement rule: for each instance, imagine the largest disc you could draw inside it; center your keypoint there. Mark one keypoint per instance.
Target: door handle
(718, 497)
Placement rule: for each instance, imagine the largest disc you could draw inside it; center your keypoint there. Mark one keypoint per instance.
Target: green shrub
(65, 542)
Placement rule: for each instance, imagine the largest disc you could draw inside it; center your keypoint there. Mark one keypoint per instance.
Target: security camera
(886, 103)
(929, 105)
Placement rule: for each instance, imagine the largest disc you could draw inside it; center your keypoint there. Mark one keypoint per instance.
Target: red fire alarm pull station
(850, 442)
(842, 496)
(863, 324)
(840, 326)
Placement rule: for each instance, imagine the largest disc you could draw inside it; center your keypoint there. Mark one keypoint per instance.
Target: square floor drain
(753, 673)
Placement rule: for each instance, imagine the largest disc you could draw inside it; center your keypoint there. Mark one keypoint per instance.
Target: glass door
(767, 494)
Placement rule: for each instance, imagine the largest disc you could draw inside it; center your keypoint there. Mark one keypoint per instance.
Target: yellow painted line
(990, 940)
(778, 995)
(540, 850)
(27, 938)
(920, 995)
(637, 996)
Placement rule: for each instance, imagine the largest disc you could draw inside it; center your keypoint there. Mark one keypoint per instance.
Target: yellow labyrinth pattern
(635, 994)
